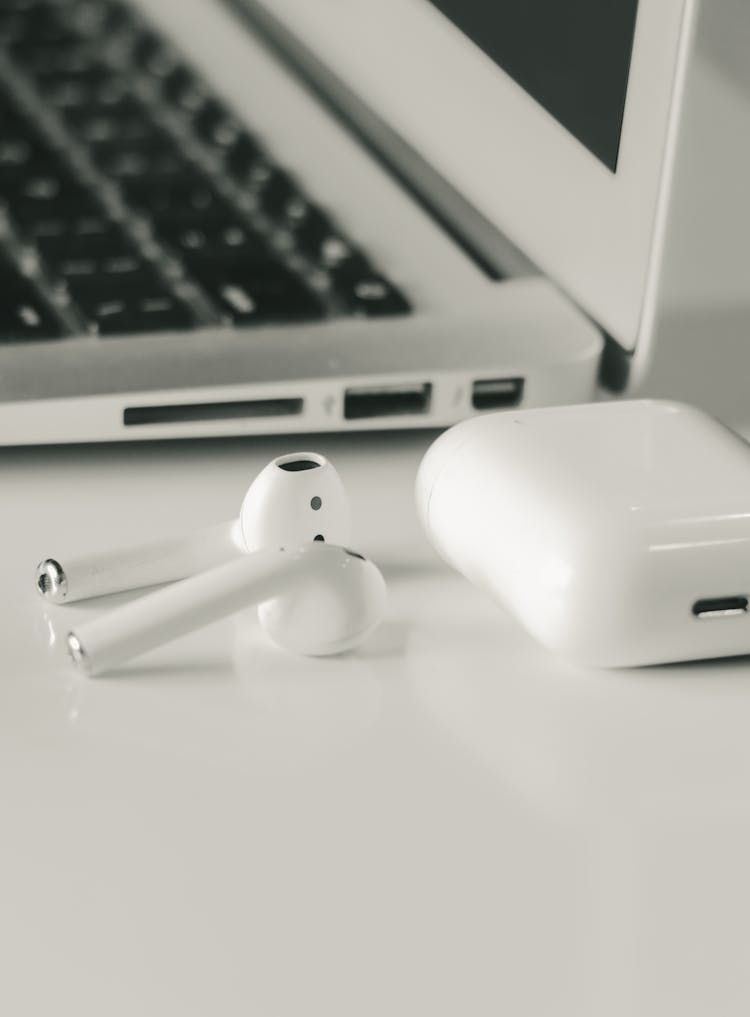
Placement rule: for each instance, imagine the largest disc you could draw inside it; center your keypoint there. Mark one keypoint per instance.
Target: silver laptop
(304, 215)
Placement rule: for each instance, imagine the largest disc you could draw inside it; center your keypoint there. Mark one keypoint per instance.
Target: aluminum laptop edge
(477, 239)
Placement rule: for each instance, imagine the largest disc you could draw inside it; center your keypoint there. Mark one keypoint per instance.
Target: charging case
(618, 533)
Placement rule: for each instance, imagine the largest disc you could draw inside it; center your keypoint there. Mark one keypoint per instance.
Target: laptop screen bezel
(597, 233)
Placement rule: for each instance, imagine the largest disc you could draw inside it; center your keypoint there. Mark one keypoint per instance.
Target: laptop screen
(572, 56)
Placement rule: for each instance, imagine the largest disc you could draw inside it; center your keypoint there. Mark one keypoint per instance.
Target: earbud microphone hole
(319, 536)
(315, 503)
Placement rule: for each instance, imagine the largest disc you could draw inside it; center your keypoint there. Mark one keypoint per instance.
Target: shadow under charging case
(617, 533)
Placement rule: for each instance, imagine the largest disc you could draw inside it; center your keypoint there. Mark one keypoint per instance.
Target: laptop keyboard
(132, 200)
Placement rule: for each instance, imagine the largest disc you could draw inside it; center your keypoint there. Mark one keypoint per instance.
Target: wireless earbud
(315, 600)
(294, 499)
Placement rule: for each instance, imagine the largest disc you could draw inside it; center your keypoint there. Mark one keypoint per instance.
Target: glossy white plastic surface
(599, 526)
(326, 599)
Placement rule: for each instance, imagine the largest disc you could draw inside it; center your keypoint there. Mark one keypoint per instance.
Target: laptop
(265, 216)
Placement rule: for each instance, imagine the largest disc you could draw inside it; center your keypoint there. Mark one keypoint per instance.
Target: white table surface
(447, 822)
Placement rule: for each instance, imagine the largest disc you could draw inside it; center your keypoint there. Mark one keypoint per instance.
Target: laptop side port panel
(496, 393)
(369, 401)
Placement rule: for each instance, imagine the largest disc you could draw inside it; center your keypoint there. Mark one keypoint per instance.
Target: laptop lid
(556, 119)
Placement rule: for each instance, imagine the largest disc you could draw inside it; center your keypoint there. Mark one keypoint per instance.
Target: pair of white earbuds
(284, 553)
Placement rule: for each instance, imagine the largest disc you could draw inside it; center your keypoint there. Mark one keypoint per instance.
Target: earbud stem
(128, 631)
(94, 575)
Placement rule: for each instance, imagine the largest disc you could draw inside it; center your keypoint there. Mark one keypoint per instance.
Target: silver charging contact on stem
(51, 581)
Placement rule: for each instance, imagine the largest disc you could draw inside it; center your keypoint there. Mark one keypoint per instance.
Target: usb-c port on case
(720, 607)
(496, 393)
(386, 401)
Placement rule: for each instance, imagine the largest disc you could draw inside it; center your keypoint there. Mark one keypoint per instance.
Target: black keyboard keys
(248, 253)
(49, 231)
(216, 127)
(152, 54)
(89, 262)
(23, 313)
(184, 90)
(129, 312)
(40, 28)
(20, 157)
(278, 192)
(319, 239)
(56, 234)
(28, 211)
(159, 199)
(74, 92)
(202, 240)
(240, 157)
(154, 158)
(368, 294)
(49, 186)
(125, 120)
(251, 296)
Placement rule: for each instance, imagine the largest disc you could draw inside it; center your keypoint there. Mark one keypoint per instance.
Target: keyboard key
(75, 220)
(155, 158)
(96, 85)
(153, 55)
(112, 17)
(22, 157)
(191, 195)
(101, 18)
(320, 241)
(199, 238)
(370, 295)
(243, 155)
(278, 191)
(39, 56)
(217, 127)
(30, 215)
(298, 211)
(84, 277)
(13, 27)
(15, 153)
(39, 26)
(23, 313)
(46, 195)
(126, 120)
(84, 238)
(120, 312)
(184, 90)
(250, 298)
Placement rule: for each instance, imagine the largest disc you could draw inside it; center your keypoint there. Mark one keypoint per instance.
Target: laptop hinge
(615, 365)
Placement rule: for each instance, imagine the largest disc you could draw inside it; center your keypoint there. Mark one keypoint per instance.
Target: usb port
(720, 607)
(386, 401)
(496, 393)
